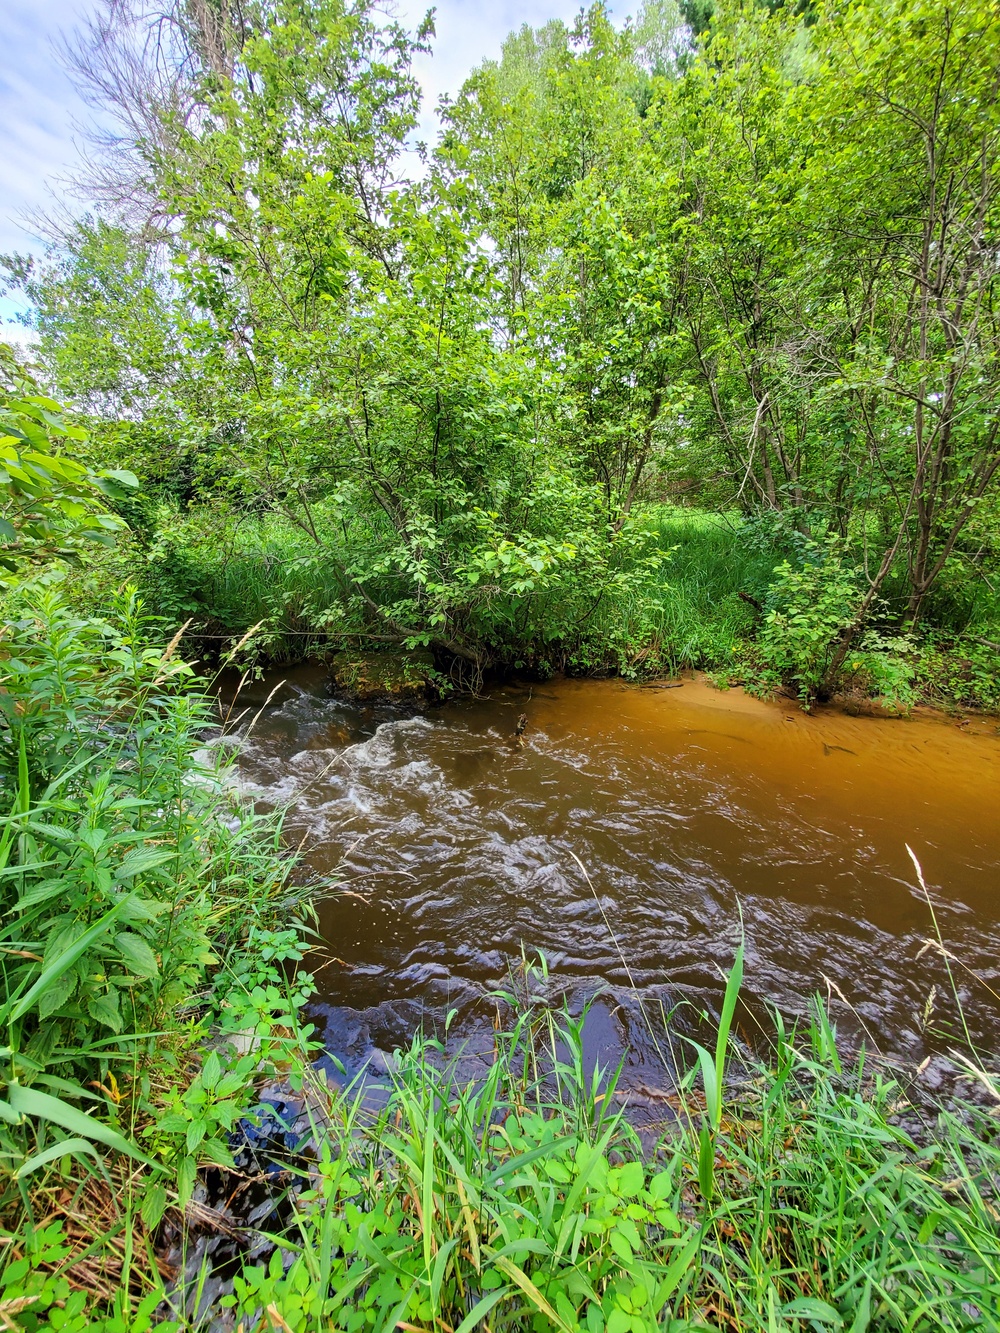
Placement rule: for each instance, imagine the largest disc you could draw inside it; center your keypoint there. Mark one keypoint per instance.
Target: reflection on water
(691, 810)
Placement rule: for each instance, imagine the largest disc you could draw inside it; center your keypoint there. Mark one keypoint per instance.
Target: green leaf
(620, 1244)
(104, 1009)
(31, 1102)
(187, 1170)
(196, 1131)
(231, 1082)
(211, 1071)
(480, 1310)
(57, 994)
(40, 892)
(215, 1152)
(172, 1123)
(662, 1185)
(154, 1205)
(706, 1162)
(137, 954)
(630, 1179)
(64, 1148)
(124, 476)
(811, 1307)
(142, 860)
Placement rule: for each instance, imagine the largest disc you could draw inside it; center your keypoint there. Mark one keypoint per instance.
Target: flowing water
(631, 837)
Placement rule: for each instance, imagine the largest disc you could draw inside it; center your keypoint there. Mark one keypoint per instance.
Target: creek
(697, 816)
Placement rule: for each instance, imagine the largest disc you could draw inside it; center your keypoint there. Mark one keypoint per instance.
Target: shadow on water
(691, 809)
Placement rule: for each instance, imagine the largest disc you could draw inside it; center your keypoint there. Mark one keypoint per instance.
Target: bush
(813, 611)
(119, 885)
(962, 670)
(808, 610)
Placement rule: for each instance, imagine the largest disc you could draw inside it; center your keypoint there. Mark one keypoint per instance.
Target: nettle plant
(104, 887)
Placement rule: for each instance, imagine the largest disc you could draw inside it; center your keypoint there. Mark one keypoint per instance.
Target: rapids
(696, 816)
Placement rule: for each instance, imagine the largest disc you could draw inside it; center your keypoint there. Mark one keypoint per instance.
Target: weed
(523, 1199)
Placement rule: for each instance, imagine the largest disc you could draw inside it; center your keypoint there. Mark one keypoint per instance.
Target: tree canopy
(742, 255)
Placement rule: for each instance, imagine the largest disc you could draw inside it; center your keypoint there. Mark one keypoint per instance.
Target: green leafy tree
(50, 504)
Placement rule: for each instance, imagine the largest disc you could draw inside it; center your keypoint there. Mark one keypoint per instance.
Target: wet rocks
(369, 676)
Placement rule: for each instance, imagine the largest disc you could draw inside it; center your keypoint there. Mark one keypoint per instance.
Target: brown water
(692, 810)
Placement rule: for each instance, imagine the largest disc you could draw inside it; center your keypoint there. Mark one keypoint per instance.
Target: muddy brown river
(699, 817)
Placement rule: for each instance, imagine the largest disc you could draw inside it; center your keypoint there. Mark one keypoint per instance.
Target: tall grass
(701, 620)
(523, 1199)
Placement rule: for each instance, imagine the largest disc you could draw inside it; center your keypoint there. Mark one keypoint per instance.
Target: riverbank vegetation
(678, 348)
(141, 911)
(709, 278)
(144, 911)
(525, 1200)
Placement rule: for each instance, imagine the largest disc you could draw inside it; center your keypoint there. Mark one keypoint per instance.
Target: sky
(41, 112)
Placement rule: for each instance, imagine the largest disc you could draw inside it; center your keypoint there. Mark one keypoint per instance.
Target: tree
(841, 199)
(50, 504)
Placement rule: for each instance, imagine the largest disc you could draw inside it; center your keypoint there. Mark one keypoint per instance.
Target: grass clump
(524, 1199)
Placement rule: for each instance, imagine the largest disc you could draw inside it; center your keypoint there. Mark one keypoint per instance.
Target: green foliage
(810, 610)
(118, 881)
(195, 1125)
(94, 742)
(810, 636)
(661, 259)
(37, 1296)
(453, 1206)
(961, 671)
(49, 503)
(524, 1200)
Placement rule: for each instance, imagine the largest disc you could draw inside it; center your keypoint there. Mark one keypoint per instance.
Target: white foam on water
(379, 751)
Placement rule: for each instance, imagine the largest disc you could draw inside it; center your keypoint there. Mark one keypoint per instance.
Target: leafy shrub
(811, 607)
(884, 665)
(808, 609)
(50, 504)
(117, 879)
(961, 670)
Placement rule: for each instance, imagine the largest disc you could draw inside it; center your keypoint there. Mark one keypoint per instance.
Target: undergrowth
(138, 899)
(700, 591)
(523, 1198)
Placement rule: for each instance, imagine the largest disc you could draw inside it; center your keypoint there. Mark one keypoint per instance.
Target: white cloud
(38, 109)
(468, 32)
